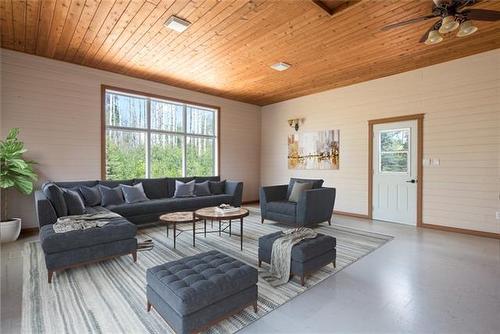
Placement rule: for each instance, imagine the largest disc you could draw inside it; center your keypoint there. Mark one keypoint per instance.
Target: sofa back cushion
(202, 189)
(316, 183)
(154, 188)
(77, 184)
(171, 184)
(55, 194)
(134, 194)
(116, 183)
(91, 195)
(74, 201)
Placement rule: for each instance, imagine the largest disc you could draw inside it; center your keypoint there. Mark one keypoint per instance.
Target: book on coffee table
(226, 209)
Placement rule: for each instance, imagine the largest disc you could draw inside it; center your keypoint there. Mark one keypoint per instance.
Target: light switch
(436, 162)
(426, 161)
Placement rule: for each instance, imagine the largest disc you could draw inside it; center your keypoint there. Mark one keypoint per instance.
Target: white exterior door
(395, 172)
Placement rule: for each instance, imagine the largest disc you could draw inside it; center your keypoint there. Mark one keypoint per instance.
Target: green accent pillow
(299, 188)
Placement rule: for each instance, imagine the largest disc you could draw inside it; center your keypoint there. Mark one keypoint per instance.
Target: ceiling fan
(452, 14)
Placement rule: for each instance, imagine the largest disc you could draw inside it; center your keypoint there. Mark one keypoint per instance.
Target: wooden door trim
(420, 155)
(161, 97)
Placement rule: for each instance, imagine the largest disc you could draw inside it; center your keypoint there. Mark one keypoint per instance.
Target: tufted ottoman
(196, 292)
(308, 256)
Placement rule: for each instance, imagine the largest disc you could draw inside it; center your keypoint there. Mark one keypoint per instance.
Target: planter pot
(10, 229)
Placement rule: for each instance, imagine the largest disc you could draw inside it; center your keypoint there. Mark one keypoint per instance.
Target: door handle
(412, 181)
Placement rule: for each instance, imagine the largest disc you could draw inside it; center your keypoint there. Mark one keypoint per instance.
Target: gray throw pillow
(316, 183)
(111, 196)
(184, 189)
(56, 197)
(134, 194)
(202, 189)
(299, 188)
(218, 187)
(74, 202)
(91, 195)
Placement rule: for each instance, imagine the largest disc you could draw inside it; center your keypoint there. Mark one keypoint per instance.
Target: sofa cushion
(164, 205)
(111, 196)
(154, 188)
(316, 183)
(195, 282)
(134, 194)
(56, 196)
(305, 250)
(202, 189)
(53, 242)
(282, 207)
(200, 179)
(77, 184)
(217, 187)
(184, 189)
(74, 201)
(91, 195)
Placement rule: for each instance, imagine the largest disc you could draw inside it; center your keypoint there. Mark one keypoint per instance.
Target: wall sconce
(294, 123)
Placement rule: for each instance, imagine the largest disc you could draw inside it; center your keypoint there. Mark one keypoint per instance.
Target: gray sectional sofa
(117, 238)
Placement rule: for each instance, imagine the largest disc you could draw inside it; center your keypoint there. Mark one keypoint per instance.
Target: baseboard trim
(29, 231)
(350, 214)
(462, 230)
(256, 201)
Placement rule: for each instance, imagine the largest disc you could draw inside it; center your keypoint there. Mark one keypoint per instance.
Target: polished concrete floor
(423, 281)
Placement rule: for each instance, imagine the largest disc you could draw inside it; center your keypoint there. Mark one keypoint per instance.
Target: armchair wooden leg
(148, 307)
(334, 264)
(260, 263)
(262, 221)
(330, 221)
(134, 256)
(302, 280)
(255, 307)
(49, 276)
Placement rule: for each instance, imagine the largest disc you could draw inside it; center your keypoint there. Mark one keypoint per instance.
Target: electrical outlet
(498, 215)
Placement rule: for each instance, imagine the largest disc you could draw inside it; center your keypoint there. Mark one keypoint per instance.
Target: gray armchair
(314, 206)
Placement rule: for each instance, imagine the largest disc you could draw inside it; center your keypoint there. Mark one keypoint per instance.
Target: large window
(152, 137)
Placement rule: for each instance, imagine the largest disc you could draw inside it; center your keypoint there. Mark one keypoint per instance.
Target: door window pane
(394, 162)
(200, 121)
(394, 140)
(126, 111)
(166, 116)
(166, 155)
(125, 154)
(199, 156)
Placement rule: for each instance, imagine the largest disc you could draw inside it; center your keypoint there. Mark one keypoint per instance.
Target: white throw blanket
(281, 255)
(82, 222)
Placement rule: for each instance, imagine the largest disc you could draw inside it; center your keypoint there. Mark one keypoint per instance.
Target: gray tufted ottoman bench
(196, 292)
(308, 256)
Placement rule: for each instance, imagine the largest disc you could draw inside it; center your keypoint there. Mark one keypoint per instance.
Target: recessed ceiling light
(177, 24)
(280, 66)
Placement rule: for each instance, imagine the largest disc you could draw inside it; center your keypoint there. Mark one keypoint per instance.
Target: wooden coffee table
(212, 214)
(182, 217)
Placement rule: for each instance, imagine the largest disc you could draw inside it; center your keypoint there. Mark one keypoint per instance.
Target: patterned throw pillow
(134, 194)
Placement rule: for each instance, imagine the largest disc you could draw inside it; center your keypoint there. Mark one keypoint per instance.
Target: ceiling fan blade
(481, 14)
(403, 23)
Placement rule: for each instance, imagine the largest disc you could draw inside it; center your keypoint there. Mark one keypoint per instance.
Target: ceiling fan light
(466, 29)
(433, 37)
(449, 24)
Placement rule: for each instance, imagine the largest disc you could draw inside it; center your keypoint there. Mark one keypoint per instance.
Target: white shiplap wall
(57, 105)
(461, 102)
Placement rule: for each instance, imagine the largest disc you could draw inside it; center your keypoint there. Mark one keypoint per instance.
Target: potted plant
(17, 173)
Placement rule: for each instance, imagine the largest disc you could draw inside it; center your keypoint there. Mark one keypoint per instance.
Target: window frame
(408, 151)
(148, 131)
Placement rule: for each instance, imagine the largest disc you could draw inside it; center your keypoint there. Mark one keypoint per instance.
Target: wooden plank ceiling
(230, 45)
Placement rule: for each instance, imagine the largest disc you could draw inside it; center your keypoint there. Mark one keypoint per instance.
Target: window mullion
(184, 141)
(148, 139)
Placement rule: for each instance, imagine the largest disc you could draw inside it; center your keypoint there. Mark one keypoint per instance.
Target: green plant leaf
(24, 185)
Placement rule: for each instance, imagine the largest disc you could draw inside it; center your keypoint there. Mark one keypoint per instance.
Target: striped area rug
(109, 297)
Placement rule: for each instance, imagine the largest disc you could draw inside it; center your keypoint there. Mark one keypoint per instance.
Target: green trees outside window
(148, 137)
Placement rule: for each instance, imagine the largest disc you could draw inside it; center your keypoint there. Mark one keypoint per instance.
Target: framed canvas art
(314, 150)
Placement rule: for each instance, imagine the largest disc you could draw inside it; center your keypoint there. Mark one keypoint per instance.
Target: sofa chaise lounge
(117, 238)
